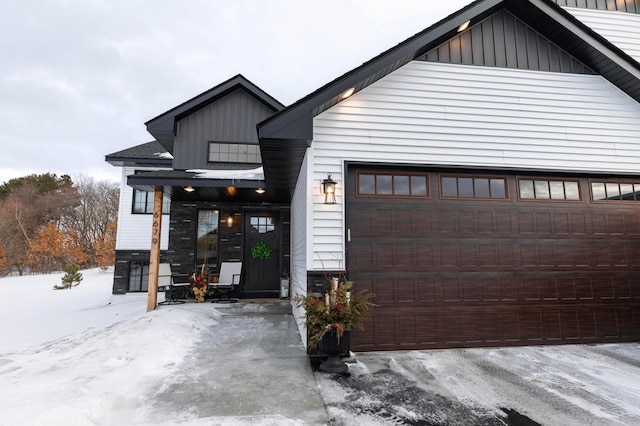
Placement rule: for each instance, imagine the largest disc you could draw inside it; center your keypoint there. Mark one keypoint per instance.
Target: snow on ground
(85, 357)
(549, 385)
(77, 356)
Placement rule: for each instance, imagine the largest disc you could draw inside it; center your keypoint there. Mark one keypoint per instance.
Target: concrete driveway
(251, 369)
(549, 385)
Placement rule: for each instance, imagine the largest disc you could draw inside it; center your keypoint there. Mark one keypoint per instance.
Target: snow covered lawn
(85, 357)
(80, 356)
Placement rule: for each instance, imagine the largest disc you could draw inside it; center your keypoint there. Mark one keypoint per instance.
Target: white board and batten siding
(479, 117)
(621, 29)
(134, 230)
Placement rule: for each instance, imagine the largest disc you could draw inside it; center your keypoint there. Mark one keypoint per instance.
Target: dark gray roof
(144, 155)
(163, 127)
(285, 136)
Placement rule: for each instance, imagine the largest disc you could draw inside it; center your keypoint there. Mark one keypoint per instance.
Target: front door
(261, 254)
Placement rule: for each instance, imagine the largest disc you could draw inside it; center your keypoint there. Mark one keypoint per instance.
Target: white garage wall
(134, 230)
(443, 114)
(621, 29)
(300, 217)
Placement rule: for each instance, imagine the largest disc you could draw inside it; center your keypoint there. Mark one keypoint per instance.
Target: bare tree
(97, 207)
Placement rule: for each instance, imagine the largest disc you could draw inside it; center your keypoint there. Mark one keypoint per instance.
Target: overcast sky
(79, 78)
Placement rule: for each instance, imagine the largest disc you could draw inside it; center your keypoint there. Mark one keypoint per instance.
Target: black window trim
(212, 142)
(146, 203)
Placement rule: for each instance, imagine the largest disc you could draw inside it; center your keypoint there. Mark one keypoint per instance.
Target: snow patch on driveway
(568, 385)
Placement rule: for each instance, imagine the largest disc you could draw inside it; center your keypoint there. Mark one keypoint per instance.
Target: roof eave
(138, 162)
(281, 124)
(295, 123)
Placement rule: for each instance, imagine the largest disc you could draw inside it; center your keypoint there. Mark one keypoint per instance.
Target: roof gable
(163, 127)
(285, 136)
(505, 41)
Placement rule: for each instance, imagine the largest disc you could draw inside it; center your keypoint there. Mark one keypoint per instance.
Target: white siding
(299, 241)
(621, 29)
(327, 241)
(442, 114)
(134, 230)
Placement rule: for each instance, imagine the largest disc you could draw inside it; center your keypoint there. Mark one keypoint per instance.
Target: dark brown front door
(262, 254)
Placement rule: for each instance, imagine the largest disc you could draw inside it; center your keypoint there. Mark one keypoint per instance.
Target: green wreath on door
(261, 251)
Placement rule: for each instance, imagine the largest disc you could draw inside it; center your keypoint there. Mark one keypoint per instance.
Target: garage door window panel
(608, 191)
(392, 185)
(548, 189)
(471, 187)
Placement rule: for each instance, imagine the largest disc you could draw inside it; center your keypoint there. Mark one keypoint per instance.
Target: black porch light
(329, 190)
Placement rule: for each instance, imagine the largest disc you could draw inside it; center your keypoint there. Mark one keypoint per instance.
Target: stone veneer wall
(182, 229)
(121, 269)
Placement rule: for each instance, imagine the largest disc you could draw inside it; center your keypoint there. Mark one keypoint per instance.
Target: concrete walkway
(252, 365)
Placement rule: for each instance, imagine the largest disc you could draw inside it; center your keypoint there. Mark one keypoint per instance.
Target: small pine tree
(72, 275)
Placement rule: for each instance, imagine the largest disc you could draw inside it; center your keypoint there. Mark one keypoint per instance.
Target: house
(487, 178)
(206, 159)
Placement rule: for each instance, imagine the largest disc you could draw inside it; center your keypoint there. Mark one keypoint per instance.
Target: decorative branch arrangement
(335, 312)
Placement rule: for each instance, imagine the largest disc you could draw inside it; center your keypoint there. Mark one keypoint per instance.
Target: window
(473, 187)
(138, 276)
(234, 153)
(143, 203)
(615, 191)
(207, 244)
(549, 189)
(393, 184)
(262, 224)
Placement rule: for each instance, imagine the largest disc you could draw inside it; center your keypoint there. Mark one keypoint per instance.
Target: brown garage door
(461, 259)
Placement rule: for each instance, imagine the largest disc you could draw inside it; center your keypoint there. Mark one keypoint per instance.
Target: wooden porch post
(154, 258)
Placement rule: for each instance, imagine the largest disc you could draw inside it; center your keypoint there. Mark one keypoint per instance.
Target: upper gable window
(234, 153)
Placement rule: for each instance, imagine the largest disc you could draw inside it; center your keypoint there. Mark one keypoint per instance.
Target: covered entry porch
(215, 220)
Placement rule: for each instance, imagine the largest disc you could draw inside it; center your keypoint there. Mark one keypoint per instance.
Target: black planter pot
(334, 349)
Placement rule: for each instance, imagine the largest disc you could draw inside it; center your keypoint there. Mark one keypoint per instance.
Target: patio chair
(228, 279)
(172, 292)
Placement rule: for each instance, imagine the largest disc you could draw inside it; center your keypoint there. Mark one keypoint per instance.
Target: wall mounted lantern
(329, 190)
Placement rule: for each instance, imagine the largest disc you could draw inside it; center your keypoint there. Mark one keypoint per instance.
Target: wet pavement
(251, 366)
